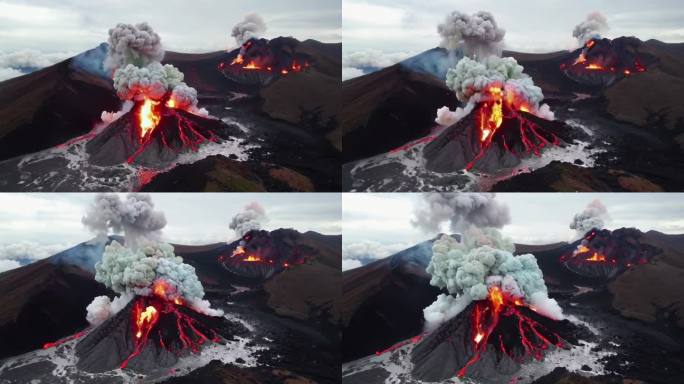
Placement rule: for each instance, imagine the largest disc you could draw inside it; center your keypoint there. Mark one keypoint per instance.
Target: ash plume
(470, 79)
(468, 270)
(137, 44)
(134, 59)
(594, 216)
(252, 27)
(249, 219)
(590, 28)
(478, 34)
(461, 210)
(144, 261)
(135, 217)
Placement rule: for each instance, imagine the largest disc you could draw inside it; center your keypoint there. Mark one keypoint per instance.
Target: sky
(44, 223)
(381, 222)
(407, 27)
(48, 30)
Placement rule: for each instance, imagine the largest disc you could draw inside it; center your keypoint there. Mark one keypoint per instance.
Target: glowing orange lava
(590, 43)
(252, 258)
(149, 118)
(491, 117)
(145, 320)
(597, 257)
(251, 65)
(594, 67)
(238, 60)
(171, 103)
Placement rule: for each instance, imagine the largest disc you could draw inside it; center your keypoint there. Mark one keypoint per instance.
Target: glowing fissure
(485, 318)
(149, 118)
(506, 107)
(583, 63)
(57, 343)
(261, 63)
(146, 315)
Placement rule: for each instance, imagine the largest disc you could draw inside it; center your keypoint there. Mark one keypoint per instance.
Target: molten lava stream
(486, 315)
(75, 336)
(148, 117)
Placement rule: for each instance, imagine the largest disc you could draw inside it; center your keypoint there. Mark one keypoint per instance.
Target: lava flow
(603, 56)
(485, 318)
(257, 55)
(149, 117)
(75, 336)
(504, 107)
(148, 314)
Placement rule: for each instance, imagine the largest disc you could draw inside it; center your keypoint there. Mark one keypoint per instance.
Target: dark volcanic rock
(447, 350)
(388, 108)
(460, 145)
(178, 131)
(111, 343)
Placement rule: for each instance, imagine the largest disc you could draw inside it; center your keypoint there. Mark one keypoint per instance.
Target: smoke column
(590, 28)
(134, 58)
(484, 260)
(134, 269)
(594, 216)
(249, 219)
(135, 217)
(482, 67)
(461, 210)
(252, 27)
(478, 34)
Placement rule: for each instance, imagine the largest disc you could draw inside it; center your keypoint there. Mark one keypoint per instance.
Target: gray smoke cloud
(137, 44)
(252, 27)
(460, 210)
(249, 219)
(590, 28)
(471, 79)
(468, 270)
(478, 34)
(135, 268)
(594, 216)
(134, 216)
(134, 58)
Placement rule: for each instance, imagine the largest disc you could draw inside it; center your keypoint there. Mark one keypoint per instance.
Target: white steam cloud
(134, 58)
(252, 27)
(134, 269)
(18, 63)
(478, 34)
(594, 216)
(590, 28)
(249, 219)
(482, 67)
(468, 270)
(135, 217)
(354, 254)
(461, 210)
(137, 44)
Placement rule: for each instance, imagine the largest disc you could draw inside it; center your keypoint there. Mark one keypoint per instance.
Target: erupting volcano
(260, 254)
(495, 335)
(260, 61)
(606, 254)
(604, 61)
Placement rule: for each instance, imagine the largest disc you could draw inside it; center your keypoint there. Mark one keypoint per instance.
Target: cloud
(6, 265)
(371, 250)
(350, 73)
(29, 250)
(346, 264)
(17, 63)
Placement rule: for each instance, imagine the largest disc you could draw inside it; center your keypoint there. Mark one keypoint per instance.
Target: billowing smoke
(478, 35)
(482, 68)
(591, 28)
(468, 270)
(135, 217)
(471, 79)
(144, 263)
(249, 219)
(252, 27)
(134, 58)
(461, 210)
(137, 44)
(594, 216)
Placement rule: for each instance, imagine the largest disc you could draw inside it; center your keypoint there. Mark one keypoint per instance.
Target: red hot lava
(66, 339)
(602, 61)
(503, 107)
(486, 315)
(254, 55)
(146, 315)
